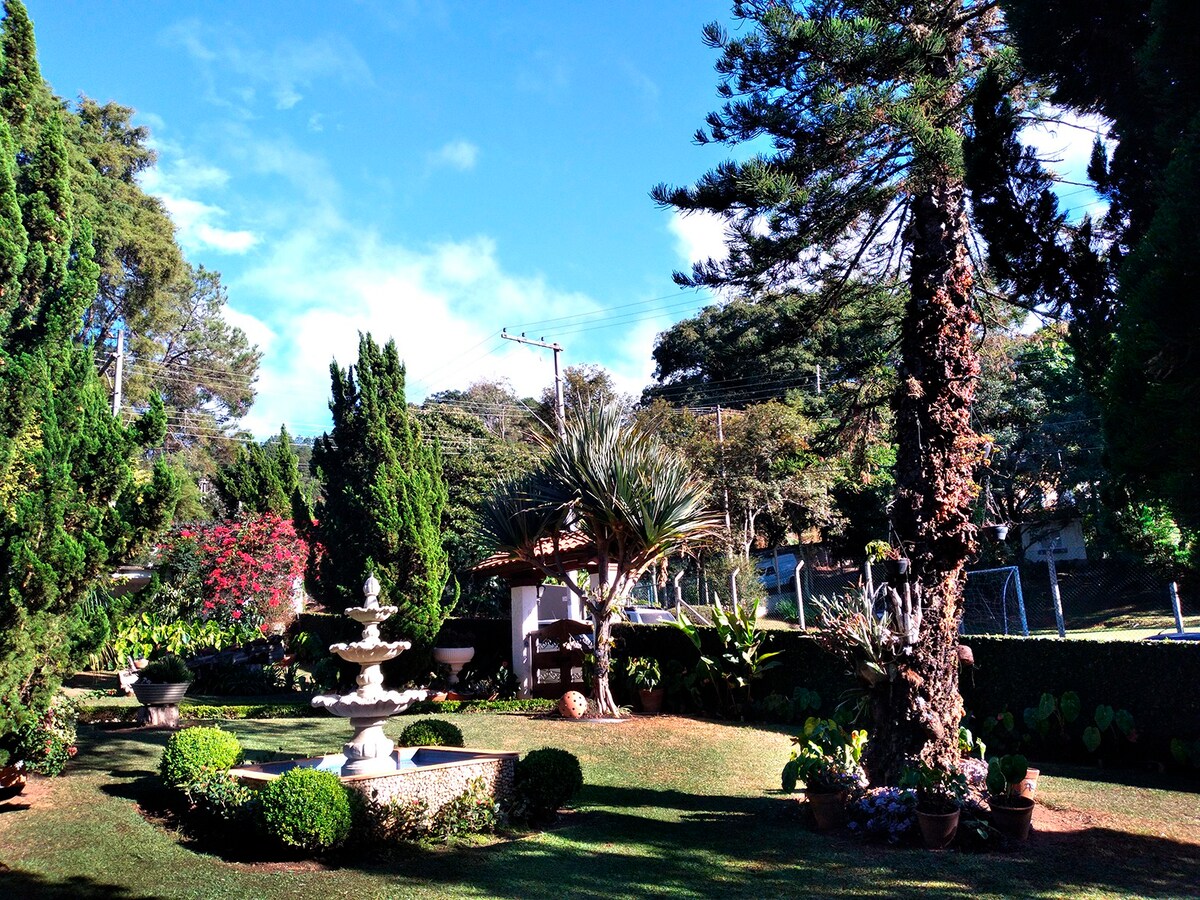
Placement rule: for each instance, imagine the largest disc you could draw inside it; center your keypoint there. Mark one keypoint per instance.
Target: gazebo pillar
(524, 623)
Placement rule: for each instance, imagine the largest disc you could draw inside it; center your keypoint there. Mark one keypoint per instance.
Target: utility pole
(724, 477)
(818, 379)
(558, 385)
(119, 372)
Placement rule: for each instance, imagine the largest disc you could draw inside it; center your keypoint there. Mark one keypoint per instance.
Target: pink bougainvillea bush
(241, 572)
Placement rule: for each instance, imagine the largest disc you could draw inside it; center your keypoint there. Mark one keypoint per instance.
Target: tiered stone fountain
(369, 751)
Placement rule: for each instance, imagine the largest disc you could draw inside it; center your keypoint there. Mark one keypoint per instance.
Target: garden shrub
(474, 811)
(47, 743)
(431, 733)
(220, 795)
(546, 779)
(195, 754)
(393, 821)
(306, 808)
(168, 670)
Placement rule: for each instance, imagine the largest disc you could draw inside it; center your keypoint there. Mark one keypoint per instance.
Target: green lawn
(673, 807)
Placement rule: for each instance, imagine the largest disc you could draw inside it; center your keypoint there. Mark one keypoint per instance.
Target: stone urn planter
(453, 657)
(159, 688)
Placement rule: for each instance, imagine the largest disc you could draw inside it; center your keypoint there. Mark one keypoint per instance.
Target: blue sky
(431, 172)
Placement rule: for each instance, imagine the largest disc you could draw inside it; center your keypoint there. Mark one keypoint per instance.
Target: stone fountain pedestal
(369, 751)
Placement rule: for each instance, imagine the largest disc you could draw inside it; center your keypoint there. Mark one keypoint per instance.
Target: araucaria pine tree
(69, 503)
(860, 108)
(382, 498)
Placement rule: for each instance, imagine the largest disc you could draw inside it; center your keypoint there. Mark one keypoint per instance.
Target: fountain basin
(369, 652)
(373, 706)
(432, 775)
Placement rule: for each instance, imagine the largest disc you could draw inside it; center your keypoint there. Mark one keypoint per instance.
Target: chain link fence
(1101, 598)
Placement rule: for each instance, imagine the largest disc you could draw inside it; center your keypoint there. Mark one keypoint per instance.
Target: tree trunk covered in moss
(867, 105)
(917, 715)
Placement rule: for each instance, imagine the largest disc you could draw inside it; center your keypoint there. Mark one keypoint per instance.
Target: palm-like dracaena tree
(621, 488)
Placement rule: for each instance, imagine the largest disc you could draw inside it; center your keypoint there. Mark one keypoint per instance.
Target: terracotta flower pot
(652, 699)
(12, 780)
(828, 808)
(1012, 816)
(938, 828)
(1028, 786)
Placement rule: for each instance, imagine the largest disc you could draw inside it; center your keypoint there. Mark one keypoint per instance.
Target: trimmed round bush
(545, 780)
(306, 808)
(195, 754)
(431, 733)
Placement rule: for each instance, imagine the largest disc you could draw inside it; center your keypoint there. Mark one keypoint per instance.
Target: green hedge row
(99, 712)
(425, 707)
(1155, 680)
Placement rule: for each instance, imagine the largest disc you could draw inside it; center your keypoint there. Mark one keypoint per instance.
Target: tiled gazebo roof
(575, 548)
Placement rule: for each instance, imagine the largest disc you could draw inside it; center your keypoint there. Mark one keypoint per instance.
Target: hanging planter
(995, 532)
(896, 568)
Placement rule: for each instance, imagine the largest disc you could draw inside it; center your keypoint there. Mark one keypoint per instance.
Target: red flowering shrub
(239, 572)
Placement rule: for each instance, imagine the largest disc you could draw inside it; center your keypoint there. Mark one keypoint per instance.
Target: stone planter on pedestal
(455, 658)
(160, 703)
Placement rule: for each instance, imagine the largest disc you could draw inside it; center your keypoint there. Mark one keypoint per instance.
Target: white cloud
(284, 71)
(444, 305)
(698, 236)
(195, 230)
(1066, 146)
(460, 154)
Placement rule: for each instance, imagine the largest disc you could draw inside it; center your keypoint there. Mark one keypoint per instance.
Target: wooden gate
(556, 651)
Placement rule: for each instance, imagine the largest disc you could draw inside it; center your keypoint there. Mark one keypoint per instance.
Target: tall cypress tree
(262, 478)
(865, 105)
(383, 497)
(69, 502)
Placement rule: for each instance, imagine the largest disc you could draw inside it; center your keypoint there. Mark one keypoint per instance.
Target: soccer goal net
(993, 602)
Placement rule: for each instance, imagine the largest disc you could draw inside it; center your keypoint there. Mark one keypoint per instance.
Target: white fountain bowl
(379, 706)
(370, 652)
(371, 615)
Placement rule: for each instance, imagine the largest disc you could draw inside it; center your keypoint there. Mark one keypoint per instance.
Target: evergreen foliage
(383, 498)
(431, 733)
(1126, 276)
(70, 499)
(862, 109)
(475, 459)
(263, 478)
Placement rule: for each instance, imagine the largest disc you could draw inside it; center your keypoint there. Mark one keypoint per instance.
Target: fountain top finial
(371, 586)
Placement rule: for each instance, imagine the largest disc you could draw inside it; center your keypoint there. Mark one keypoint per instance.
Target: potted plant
(939, 793)
(827, 759)
(646, 675)
(163, 683)
(894, 564)
(996, 531)
(454, 649)
(12, 775)
(1012, 812)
